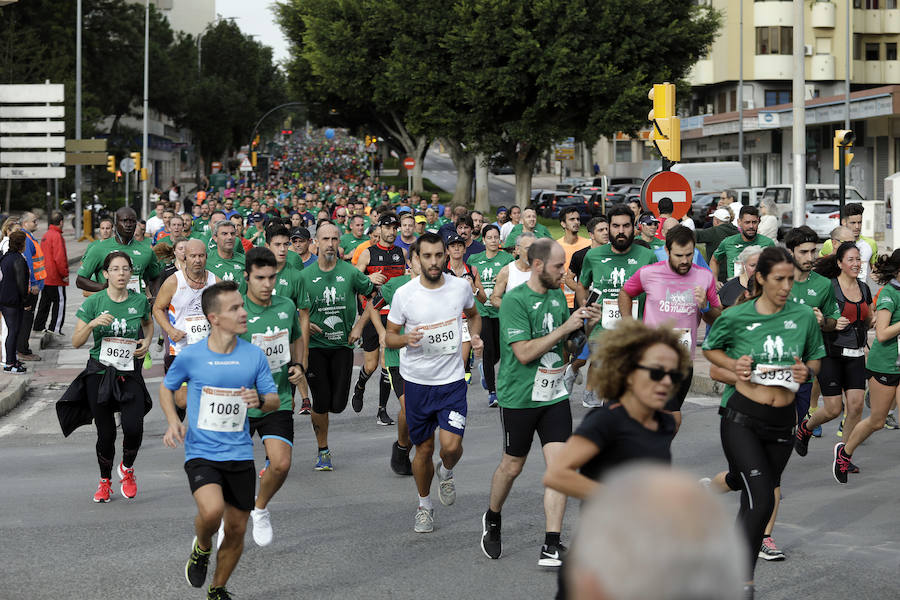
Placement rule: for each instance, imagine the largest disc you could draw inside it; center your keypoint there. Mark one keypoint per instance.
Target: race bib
(440, 338)
(548, 384)
(611, 314)
(774, 375)
(275, 346)
(134, 283)
(118, 353)
(197, 329)
(738, 269)
(853, 352)
(465, 331)
(221, 409)
(684, 338)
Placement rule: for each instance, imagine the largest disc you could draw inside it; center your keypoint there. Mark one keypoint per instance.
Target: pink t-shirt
(670, 297)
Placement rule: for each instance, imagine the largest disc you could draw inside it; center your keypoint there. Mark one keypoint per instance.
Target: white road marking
(19, 419)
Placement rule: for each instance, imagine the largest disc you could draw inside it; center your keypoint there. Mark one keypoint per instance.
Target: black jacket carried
(14, 282)
(73, 409)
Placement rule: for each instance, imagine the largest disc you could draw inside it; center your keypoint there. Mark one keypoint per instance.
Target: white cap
(722, 214)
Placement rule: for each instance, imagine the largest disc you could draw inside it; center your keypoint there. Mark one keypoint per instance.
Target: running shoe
(128, 485)
(801, 438)
(262, 526)
(490, 538)
(263, 470)
(706, 482)
(589, 400)
(468, 377)
(769, 551)
(481, 370)
(400, 463)
(16, 367)
(104, 491)
(357, 401)
(891, 422)
(383, 417)
(551, 556)
(853, 468)
(424, 520)
(148, 362)
(841, 464)
(217, 593)
(323, 461)
(305, 406)
(569, 377)
(748, 592)
(492, 400)
(446, 487)
(840, 431)
(195, 569)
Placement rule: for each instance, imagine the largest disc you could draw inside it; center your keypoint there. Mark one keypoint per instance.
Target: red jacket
(57, 263)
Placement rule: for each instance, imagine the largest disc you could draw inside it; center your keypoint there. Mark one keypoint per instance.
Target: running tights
(490, 334)
(105, 421)
(384, 388)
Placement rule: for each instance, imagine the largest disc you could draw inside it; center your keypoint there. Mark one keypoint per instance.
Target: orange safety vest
(37, 260)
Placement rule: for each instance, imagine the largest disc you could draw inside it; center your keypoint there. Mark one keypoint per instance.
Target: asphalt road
(348, 533)
(441, 171)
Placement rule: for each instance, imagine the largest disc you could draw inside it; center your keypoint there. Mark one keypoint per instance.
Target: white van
(713, 176)
(780, 196)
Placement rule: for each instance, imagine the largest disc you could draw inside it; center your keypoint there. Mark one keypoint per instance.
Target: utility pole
(799, 126)
(145, 195)
(78, 114)
(741, 87)
(847, 70)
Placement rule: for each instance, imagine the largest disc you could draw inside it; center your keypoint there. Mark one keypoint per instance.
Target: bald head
(839, 235)
(668, 224)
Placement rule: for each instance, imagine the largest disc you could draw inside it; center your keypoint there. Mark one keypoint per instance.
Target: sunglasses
(657, 374)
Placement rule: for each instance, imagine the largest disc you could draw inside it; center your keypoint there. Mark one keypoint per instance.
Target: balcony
(702, 73)
(874, 70)
(891, 21)
(823, 15)
(773, 66)
(773, 14)
(822, 67)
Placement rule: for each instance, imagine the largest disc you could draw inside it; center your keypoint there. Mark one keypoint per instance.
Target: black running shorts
(277, 425)
(370, 341)
(888, 379)
(552, 423)
(396, 380)
(842, 373)
(328, 375)
(237, 478)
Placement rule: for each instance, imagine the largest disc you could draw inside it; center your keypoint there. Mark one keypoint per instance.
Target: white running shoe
(589, 400)
(424, 520)
(569, 377)
(446, 487)
(262, 526)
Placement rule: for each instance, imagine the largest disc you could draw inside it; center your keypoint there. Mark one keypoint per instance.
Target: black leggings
(757, 441)
(12, 322)
(105, 421)
(490, 335)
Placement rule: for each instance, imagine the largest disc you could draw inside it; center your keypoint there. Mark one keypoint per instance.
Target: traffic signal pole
(842, 180)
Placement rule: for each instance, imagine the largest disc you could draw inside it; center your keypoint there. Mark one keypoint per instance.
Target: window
(857, 46)
(857, 3)
(774, 40)
(649, 152)
(720, 103)
(890, 4)
(872, 4)
(733, 100)
(623, 150)
(891, 51)
(774, 97)
(873, 52)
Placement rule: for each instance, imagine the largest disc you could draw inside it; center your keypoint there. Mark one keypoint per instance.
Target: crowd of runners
(259, 294)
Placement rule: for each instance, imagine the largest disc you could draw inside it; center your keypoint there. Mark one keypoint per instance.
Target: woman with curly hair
(639, 369)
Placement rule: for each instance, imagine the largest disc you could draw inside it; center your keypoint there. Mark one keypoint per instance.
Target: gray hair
(748, 253)
(219, 225)
(653, 532)
(525, 235)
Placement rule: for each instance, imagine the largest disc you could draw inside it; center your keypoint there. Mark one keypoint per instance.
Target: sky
(255, 17)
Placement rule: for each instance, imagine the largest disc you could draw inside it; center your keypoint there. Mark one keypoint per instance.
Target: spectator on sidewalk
(53, 297)
(37, 269)
(13, 294)
(9, 225)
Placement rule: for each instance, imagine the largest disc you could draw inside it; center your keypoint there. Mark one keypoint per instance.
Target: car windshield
(821, 209)
(832, 194)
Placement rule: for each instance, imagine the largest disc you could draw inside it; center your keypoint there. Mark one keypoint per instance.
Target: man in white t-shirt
(155, 223)
(429, 308)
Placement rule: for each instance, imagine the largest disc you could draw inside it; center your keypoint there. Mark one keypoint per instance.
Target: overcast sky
(255, 17)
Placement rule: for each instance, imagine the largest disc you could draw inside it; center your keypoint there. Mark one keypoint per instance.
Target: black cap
(455, 239)
(257, 216)
(389, 219)
(300, 232)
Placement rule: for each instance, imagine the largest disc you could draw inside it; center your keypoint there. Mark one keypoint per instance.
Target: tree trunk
(523, 163)
(415, 147)
(482, 193)
(464, 162)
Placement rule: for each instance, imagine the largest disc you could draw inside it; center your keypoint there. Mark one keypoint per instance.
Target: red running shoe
(129, 484)
(104, 491)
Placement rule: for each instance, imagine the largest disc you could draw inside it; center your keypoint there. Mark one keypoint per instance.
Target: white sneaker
(424, 520)
(446, 487)
(706, 482)
(262, 526)
(220, 536)
(589, 400)
(569, 377)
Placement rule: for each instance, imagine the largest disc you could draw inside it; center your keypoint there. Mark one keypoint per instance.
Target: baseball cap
(455, 239)
(501, 209)
(257, 216)
(403, 209)
(388, 219)
(722, 214)
(421, 219)
(300, 232)
(648, 219)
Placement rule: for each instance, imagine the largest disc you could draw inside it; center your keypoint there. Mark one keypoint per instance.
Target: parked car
(713, 176)
(541, 198)
(702, 208)
(626, 188)
(780, 196)
(569, 184)
(588, 206)
(500, 166)
(822, 217)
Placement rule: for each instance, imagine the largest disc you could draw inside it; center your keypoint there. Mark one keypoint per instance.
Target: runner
(456, 266)
(868, 248)
(272, 326)
(729, 248)
(118, 320)
(758, 418)
(736, 289)
(355, 237)
(648, 225)
(300, 243)
(678, 293)
(515, 272)
(529, 224)
(430, 310)
(225, 377)
(327, 311)
(881, 366)
(380, 262)
(535, 323)
(488, 264)
(223, 261)
(287, 280)
(571, 242)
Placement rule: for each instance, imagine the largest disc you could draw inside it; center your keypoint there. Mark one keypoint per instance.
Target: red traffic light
(287, 132)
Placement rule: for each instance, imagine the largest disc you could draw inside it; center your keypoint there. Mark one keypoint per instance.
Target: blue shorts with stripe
(431, 406)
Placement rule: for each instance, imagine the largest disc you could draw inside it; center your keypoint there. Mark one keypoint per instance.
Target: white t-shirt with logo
(438, 358)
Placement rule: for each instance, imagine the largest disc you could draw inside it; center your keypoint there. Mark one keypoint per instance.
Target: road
(441, 171)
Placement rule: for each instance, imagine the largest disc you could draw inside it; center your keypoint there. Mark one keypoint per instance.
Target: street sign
(32, 172)
(409, 163)
(32, 158)
(85, 158)
(666, 184)
(32, 112)
(86, 145)
(32, 127)
(32, 93)
(53, 141)
(126, 165)
(246, 167)
(25, 110)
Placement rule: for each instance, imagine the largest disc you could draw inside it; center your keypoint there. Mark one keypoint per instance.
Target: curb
(703, 384)
(14, 393)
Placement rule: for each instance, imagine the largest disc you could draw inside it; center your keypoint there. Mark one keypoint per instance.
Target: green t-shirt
(816, 292)
(294, 260)
(260, 240)
(211, 245)
(127, 317)
(883, 355)
(656, 243)
(144, 262)
(226, 269)
(264, 323)
(288, 285)
(349, 242)
(527, 315)
(200, 225)
(488, 269)
(606, 272)
(392, 355)
(330, 297)
(768, 339)
(540, 231)
(730, 248)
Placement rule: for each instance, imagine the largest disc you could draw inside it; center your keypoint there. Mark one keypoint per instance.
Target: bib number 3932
(275, 347)
(221, 409)
(774, 375)
(440, 338)
(611, 314)
(548, 384)
(118, 353)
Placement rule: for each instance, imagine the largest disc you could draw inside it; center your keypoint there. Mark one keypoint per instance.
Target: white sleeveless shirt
(186, 312)
(516, 276)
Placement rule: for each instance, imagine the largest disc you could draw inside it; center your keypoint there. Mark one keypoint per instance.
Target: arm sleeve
(634, 286)
(264, 382)
(145, 308)
(62, 260)
(514, 324)
(29, 260)
(586, 275)
(826, 248)
(595, 427)
(719, 254)
(395, 314)
(711, 295)
(885, 300)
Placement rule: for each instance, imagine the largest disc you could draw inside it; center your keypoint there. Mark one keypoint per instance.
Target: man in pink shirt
(679, 294)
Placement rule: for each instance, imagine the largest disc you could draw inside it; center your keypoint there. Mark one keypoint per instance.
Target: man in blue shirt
(225, 376)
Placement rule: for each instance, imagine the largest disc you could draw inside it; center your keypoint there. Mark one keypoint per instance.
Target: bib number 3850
(440, 338)
(221, 409)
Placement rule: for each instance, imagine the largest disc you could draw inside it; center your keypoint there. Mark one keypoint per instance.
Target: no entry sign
(666, 184)
(409, 163)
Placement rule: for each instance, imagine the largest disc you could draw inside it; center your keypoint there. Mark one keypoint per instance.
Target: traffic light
(144, 174)
(666, 132)
(253, 158)
(287, 132)
(136, 157)
(843, 138)
(110, 163)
